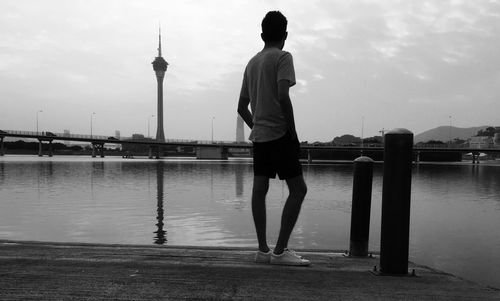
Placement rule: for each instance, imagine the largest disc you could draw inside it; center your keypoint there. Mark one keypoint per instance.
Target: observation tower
(160, 67)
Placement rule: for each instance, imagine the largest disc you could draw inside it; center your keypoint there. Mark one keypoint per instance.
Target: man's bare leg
(260, 188)
(298, 190)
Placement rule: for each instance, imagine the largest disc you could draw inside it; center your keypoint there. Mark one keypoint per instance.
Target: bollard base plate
(347, 254)
(377, 272)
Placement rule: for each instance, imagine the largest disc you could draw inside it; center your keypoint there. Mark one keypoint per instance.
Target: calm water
(455, 213)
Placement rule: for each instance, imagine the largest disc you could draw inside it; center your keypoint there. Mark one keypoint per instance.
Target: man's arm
(244, 112)
(286, 105)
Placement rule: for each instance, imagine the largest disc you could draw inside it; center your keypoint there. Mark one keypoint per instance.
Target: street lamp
(213, 129)
(40, 111)
(91, 117)
(149, 119)
(362, 129)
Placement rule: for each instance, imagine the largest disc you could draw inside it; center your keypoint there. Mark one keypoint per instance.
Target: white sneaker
(261, 257)
(289, 257)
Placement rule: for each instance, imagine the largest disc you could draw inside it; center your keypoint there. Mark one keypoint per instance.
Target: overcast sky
(410, 64)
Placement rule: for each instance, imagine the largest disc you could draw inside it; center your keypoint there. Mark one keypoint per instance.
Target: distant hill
(442, 133)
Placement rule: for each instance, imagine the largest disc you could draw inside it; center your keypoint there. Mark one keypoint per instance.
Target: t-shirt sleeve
(244, 86)
(285, 68)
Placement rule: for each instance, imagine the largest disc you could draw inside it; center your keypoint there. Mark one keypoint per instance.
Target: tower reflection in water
(238, 172)
(160, 234)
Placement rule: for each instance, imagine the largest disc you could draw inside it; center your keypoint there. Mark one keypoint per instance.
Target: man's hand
(244, 112)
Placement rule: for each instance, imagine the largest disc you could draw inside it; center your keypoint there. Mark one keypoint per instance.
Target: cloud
(351, 58)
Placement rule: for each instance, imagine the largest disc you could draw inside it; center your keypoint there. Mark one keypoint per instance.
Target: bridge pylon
(2, 151)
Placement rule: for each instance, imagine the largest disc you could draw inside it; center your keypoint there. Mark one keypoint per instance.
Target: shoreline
(32, 157)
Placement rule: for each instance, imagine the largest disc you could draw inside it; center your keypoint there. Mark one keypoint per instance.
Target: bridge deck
(226, 144)
(56, 271)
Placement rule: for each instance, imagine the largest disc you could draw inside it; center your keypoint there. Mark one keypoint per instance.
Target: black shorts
(280, 156)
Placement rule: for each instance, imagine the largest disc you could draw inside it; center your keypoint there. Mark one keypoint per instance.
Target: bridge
(98, 141)
(214, 149)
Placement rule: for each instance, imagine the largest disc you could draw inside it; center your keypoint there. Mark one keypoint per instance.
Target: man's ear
(286, 36)
(262, 37)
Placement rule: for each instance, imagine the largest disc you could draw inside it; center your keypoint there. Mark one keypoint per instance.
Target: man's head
(274, 27)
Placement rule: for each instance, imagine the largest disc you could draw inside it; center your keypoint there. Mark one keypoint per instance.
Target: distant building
(481, 142)
(138, 137)
(240, 129)
(496, 140)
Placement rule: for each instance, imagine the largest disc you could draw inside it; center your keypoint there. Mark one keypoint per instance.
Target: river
(455, 208)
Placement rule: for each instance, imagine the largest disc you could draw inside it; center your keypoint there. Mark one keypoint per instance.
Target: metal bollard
(361, 203)
(396, 192)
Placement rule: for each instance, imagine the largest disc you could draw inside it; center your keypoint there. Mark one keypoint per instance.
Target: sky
(362, 66)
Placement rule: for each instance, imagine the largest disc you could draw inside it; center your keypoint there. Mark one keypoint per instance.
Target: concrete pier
(63, 271)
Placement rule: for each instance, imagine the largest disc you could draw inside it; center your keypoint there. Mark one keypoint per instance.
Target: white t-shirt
(260, 85)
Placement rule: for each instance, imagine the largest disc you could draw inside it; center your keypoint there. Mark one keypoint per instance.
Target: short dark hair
(274, 26)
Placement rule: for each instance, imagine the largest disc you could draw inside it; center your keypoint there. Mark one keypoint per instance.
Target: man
(266, 83)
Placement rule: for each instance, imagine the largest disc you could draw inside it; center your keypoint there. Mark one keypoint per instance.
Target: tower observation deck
(160, 67)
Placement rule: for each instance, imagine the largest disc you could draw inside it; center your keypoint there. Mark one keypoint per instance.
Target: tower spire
(159, 40)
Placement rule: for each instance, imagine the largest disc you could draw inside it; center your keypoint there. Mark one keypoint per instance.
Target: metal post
(396, 193)
(91, 117)
(102, 150)
(361, 203)
(39, 111)
(40, 151)
(213, 129)
(93, 150)
(309, 158)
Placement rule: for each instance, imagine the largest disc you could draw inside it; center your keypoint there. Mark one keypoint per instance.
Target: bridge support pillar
(417, 158)
(2, 151)
(50, 148)
(40, 150)
(150, 155)
(97, 147)
(309, 158)
(158, 152)
(475, 158)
